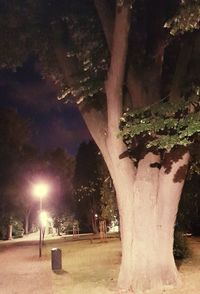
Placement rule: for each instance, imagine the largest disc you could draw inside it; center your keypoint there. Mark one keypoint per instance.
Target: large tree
(110, 55)
(87, 185)
(55, 167)
(59, 166)
(94, 196)
(14, 135)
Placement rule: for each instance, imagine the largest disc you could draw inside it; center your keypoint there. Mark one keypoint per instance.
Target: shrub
(18, 230)
(181, 247)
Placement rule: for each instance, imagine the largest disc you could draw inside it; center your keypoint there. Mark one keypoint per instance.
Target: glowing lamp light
(40, 189)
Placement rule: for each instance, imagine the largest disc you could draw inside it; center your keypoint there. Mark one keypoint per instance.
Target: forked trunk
(147, 197)
(148, 200)
(147, 234)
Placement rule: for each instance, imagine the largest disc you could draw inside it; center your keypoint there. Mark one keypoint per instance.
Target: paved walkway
(21, 269)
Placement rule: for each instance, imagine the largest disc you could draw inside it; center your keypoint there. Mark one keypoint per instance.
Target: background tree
(14, 136)
(109, 210)
(60, 167)
(130, 47)
(26, 171)
(94, 193)
(56, 168)
(188, 218)
(87, 185)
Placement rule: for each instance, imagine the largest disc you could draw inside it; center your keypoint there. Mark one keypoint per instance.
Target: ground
(88, 267)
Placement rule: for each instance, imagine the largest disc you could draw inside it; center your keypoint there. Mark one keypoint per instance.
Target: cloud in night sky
(53, 123)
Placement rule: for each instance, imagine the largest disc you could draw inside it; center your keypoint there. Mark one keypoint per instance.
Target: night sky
(53, 123)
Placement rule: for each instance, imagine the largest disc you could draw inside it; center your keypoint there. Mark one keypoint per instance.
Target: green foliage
(14, 134)
(109, 211)
(64, 223)
(87, 45)
(93, 189)
(181, 248)
(120, 3)
(187, 19)
(57, 167)
(44, 28)
(21, 165)
(164, 125)
(87, 185)
(72, 29)
(17, 230)
(188, 217)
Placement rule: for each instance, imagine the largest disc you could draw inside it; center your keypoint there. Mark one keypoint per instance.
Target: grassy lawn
(92, 267)
(88, 267)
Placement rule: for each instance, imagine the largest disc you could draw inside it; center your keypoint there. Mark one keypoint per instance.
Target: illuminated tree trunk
(147, 196)
(26, 221)
(10, 229)
(147, 216)
(148, 234)
(26, 224)
(171, 181)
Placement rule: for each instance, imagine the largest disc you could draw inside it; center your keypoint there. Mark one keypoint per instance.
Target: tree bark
(171, 181)
(148, 231)
(26, 220)
(10, 229)
(139, 269)
(136, 91)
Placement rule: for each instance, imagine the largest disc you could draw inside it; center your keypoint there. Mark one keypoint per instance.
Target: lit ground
(88, 268)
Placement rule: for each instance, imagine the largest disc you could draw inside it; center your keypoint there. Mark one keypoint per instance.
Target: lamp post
(43, 222)
(40, 190)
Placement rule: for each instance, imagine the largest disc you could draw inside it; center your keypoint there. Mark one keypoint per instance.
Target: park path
(21, 269)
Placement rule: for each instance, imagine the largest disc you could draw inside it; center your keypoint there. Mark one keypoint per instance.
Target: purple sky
(53, 123)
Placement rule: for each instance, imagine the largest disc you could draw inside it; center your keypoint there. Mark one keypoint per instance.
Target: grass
(92, 267)
(87, 267)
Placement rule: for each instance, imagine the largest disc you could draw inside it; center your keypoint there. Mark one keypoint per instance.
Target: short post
(56, 259)
(103, 230)
(75, 230)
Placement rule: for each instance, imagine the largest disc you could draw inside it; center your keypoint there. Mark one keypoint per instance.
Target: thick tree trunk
(139, 269)
(147, 230)
(171, 181)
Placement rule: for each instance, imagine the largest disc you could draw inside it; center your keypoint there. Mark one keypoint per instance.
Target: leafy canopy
(164, 125)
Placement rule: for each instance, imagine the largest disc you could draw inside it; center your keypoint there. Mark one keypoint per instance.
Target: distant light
(96, 215)
(43, 218)
(41, 189)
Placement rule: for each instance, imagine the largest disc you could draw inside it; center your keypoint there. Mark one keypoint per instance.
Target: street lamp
(43, 222)
(40, 190)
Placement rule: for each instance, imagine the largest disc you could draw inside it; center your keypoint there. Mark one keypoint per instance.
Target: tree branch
(180, 71)
(97, 125)
(107, 20)
(95, 120)
(135, 89)
(116, 72)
